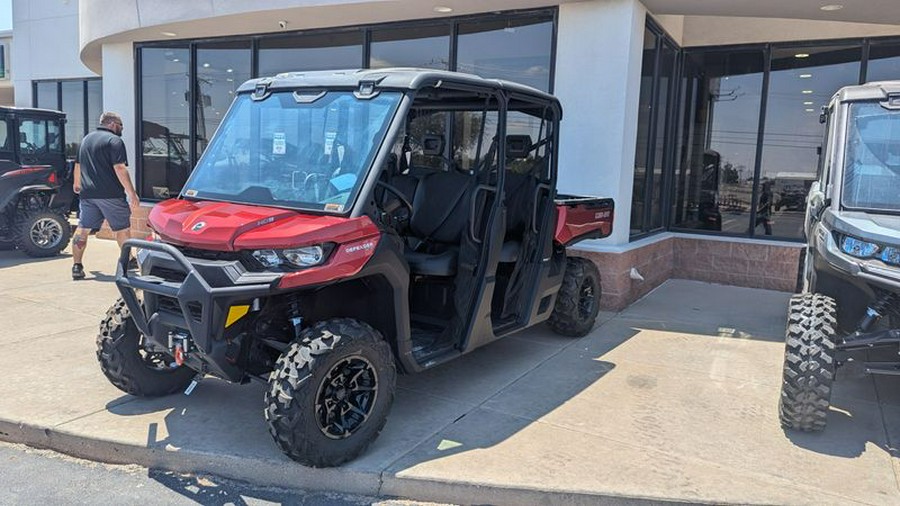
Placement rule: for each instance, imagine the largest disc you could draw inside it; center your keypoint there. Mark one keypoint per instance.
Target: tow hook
(180, 346)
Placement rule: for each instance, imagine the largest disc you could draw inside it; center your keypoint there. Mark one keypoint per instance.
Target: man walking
(103, 183)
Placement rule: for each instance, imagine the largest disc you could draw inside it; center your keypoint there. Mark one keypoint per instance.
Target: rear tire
(330, 393)
(578, 300)
(42, 233)
(809, 364)
(130, 368)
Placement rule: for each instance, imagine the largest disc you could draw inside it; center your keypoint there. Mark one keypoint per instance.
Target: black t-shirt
(100, 151)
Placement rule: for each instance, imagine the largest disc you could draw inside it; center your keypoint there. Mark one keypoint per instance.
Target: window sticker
(334, 207)
(279, 146)
(190, 193)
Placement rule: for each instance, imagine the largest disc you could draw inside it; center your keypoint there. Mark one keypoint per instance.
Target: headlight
(858, 248)
(304, 257)
(307, 256)
(891, 255)
(267, 257)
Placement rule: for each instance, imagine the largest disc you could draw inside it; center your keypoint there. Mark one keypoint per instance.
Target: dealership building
(700, 118)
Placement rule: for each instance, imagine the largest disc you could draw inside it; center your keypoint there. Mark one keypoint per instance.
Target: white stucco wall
(598, 71)
(45, 34)
(118, 93)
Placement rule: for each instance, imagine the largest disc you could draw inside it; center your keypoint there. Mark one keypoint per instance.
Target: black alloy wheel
(346, 396)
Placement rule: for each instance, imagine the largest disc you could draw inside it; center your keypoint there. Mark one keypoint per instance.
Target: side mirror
(433, 145)
(823, 118)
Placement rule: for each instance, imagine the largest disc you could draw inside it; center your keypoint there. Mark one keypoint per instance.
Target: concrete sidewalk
(673, 399)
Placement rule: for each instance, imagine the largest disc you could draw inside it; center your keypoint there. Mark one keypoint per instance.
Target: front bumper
(195, 307)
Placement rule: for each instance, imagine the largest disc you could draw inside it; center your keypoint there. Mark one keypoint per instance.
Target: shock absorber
(877, 310)
(294, 316)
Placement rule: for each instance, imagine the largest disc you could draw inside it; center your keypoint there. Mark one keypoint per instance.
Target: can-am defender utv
(36, 193)
(851, 296)
(343, 226)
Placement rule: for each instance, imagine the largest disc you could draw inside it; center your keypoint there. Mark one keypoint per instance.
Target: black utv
(36, 193)
(851, 295)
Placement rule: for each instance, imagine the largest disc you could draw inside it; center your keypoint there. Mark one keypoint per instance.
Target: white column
(118, 93)
(598, 72)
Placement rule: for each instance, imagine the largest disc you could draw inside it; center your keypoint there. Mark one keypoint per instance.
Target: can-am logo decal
(601, 215)
(360, 247)
(198, 226)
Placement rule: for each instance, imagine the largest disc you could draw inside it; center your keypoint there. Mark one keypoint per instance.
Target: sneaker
(77, 271)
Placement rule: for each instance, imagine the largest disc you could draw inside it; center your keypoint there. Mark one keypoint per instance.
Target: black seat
(440, 215)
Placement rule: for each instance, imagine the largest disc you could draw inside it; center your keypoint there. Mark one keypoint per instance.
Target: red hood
(224, 226)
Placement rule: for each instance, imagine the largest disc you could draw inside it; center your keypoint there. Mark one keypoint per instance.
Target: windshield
(305, 149)
(872, 163)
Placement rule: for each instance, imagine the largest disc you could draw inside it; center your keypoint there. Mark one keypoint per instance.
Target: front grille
(170, 304)
(170, 275)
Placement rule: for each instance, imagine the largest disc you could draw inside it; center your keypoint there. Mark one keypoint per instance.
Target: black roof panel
(395, 78)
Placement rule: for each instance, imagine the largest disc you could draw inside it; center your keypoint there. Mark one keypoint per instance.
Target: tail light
(52, 179)
(27, 169)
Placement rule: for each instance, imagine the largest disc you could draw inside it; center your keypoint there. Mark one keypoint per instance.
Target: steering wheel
(397, 193)
(27, 148)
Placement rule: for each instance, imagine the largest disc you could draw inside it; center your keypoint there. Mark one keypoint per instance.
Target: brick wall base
(139, 226)
(739, 263)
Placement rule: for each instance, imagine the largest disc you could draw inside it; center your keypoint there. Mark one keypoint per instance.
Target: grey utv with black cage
(851, 276)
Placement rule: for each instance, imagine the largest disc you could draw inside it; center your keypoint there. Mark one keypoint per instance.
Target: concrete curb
(295, 476)
(256, 471)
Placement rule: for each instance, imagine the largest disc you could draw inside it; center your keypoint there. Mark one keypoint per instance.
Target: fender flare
(27, 189)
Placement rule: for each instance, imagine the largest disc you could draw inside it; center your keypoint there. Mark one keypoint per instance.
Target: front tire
(42, 233)
(578, 300)
(330, 393)
(128, 366)
(809, 364)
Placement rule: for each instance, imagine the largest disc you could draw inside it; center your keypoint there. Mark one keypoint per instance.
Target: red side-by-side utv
(345, 226)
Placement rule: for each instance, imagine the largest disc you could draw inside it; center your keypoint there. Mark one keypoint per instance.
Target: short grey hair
(110, 117)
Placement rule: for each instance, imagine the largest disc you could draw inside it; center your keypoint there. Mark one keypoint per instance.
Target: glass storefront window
(327, 51)
(714, 182)
(175, 133)
(645, 109)
(801, 82)
(513, 49)
(95, 103)
(79, 121)
(73, 105)
(46, 97)
(423, 47)
(165, 125)
(884, 62)
(651, 157)
(221, 69)
(661, 143)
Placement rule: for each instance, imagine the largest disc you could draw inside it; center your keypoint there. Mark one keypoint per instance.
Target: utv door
(42, 142)
(533, 269)
(483, 239)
